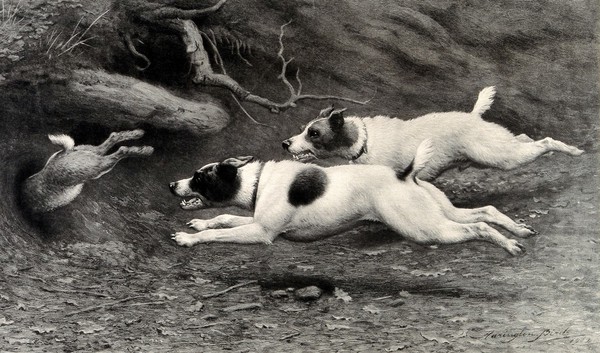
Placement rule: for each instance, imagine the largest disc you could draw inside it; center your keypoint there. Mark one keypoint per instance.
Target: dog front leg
(252, 233)
(221, 221)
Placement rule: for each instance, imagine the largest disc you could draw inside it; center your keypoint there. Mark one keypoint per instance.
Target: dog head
(214, 185)
(329, 135)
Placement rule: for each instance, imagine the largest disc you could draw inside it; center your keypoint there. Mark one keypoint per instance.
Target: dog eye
(313, 133)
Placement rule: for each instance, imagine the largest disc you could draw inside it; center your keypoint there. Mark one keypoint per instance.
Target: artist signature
(533, 335)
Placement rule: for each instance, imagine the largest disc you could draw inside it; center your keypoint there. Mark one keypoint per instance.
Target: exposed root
(136, 53)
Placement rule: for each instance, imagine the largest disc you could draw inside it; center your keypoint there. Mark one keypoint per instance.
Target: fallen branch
(216, 294)
(245, 306)
(103, 306)
(71, 291)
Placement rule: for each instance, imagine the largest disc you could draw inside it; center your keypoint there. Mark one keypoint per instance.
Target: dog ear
(325, 112)
(336, 119)
(239, 161)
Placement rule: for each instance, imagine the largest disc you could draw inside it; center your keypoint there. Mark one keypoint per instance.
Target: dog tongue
(192, 204)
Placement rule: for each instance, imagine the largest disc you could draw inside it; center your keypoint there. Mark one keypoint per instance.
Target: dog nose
(286, 144)
(172, 187)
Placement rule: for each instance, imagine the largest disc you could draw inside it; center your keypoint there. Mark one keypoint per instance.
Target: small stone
(397, 302)
(308, 293)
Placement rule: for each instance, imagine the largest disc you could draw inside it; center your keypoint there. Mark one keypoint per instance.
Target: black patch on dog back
(309, 185)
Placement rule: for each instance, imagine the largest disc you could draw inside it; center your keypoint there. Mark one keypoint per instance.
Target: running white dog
(457, 138)
(305, 202)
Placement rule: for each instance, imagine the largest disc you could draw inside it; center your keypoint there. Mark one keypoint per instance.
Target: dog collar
(255, 191)
(363, 148)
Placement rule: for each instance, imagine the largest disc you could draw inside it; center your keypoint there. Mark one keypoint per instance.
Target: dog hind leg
(513, 153)
(488, 214)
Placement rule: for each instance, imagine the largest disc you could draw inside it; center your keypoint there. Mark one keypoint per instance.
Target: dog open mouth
(192, 204)
(304, 156)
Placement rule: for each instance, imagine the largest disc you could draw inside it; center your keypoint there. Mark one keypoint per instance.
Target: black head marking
(219, 182)
(309, 185)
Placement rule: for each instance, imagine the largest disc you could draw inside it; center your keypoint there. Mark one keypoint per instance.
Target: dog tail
(65, 141)
(484, 101)
(422, 157)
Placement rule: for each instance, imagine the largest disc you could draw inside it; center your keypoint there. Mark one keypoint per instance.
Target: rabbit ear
(65, 141)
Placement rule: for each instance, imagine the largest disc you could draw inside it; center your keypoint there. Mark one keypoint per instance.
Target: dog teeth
(302, 156)
(191, 204)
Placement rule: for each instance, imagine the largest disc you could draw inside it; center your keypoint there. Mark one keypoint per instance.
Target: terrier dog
(301, 202)
(457, 138)
(65, 172)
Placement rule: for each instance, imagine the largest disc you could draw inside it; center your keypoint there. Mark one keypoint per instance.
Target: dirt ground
(381, 293)
(102, 274)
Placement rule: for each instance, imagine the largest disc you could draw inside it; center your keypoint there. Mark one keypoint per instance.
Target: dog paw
(576, 151)
(184, 239)
(198, 224)
(514, 247)
(525, 231)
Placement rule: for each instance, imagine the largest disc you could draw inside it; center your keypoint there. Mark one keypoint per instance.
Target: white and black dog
(306, 202)
(457, 137)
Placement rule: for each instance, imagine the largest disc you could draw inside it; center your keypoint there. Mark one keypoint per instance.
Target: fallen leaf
(195, 307)
(265, 325)
(539, 212)
(420, 273)
(201, 280)
(400, 268)
(292, 309)
(404, 294)
(337, 327)
(434, 339)
(245, 306)
(88, 327)
(342, 318)
(42, 329)
(458, 319)
(341, 295)
(161, 295)
(166, 332)
(306, 267)
(66, 280)
(375, 252)
(18, 340)
(372, 309)
(4, 322)
(397, 348)
(560, 204)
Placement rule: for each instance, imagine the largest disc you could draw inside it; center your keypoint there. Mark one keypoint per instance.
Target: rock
(397, 302)
(308, 293)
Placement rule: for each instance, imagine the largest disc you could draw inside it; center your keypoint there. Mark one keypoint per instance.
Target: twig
(219, 61)
(147, 303)
(102, 306)
(216, 294)
(71, 291)
(205, 75)
(245, 306)
(290, 335)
